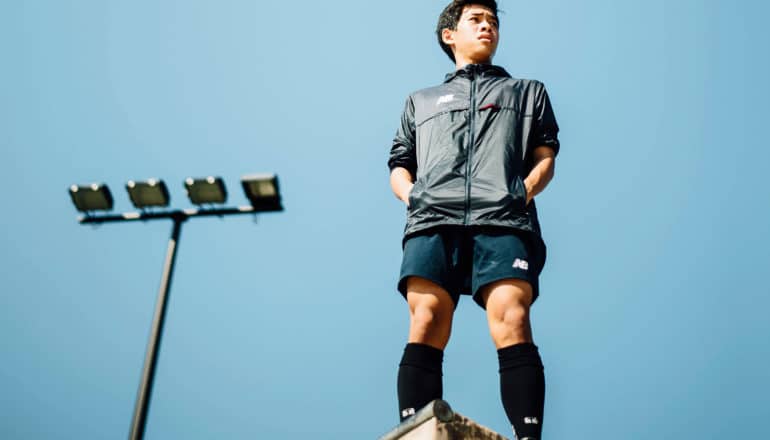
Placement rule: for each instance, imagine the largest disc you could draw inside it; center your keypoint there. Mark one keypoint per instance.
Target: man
(468, 159)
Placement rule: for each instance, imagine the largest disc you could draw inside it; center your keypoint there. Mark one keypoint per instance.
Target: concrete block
(437, 421)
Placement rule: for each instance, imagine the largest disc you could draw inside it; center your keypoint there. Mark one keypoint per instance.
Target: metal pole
(153, 346)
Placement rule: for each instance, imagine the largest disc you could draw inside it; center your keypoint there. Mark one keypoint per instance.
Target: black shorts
(462, 260)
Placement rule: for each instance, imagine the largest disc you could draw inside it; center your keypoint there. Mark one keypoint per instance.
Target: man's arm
(402, 161)
(401, 181)
(545, 136)
(542, 172)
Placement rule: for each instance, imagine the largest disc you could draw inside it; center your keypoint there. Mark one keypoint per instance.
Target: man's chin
(485, 55)
(486, 48)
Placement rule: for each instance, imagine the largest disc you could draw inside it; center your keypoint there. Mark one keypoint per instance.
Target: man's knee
(512, 327)
(425, 317)
(508, 304)
(513, 317)
(429, 303)
(431, 309)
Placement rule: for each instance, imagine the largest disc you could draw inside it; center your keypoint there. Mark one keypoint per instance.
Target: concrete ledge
(437, 421)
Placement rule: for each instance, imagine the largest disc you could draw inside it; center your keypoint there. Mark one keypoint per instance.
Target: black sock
(522, 386)
(419, 378)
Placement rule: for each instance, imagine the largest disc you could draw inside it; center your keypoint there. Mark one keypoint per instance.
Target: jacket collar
(476, 70)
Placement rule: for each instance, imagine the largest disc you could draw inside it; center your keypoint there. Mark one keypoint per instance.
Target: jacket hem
(412, 231)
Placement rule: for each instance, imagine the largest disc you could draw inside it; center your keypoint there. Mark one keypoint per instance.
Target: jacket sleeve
(402, 153)
(545, 128)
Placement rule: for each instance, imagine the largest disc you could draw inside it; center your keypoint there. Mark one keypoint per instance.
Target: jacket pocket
(519, 193)
(411, 197)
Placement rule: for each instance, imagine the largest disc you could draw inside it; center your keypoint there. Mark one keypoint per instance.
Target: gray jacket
(468, 142)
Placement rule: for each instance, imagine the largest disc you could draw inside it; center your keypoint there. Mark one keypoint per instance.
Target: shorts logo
(531, 420)
(407, 412)
(444, 99)
(521, 264)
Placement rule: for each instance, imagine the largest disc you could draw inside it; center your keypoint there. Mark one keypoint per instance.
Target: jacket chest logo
(445, 99)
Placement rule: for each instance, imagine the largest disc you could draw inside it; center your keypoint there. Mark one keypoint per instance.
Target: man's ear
(448, 36)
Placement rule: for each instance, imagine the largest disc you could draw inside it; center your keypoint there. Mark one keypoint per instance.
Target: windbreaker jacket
(468, 142)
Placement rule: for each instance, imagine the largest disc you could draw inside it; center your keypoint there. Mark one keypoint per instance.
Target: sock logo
(407, 412)
(531, 420)
(520, 264)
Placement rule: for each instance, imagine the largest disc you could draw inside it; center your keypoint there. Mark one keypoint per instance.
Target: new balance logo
(407, 412)
(531, 420)
(444, 99)
(521, 264)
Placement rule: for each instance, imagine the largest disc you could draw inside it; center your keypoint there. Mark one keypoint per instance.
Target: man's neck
(461, 62)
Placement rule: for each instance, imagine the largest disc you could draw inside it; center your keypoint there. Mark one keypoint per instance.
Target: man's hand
(530, 190)
(401, 181)
(542, 172)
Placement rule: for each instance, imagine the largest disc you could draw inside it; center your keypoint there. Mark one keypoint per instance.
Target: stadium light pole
(261, 190)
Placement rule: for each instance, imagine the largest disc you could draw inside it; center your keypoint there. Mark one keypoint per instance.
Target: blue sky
(653, 316)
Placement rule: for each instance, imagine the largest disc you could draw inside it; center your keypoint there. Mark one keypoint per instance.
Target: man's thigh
(507, 293)
(501, 254)
(421, 292)
(435, 256)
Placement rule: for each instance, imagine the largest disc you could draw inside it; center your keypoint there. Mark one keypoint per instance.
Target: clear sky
(653, 318)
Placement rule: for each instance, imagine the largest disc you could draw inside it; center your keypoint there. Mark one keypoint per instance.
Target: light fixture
(152, 192)
(93, 197)
(262, 191)
(205, 191)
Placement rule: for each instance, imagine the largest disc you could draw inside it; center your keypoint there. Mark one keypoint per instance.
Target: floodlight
(262, 190)
(93, 197)
(152, 192)
(206, 190)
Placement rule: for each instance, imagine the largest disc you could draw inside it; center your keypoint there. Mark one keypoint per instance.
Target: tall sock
(522, 387)
(419, 378)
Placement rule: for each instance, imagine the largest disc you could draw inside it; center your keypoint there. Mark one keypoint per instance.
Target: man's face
(476, 36)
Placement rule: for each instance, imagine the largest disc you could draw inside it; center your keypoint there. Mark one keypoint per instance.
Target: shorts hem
(534, 284)
(402, 286)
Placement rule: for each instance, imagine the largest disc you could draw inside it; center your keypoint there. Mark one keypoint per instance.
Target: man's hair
(451, 15)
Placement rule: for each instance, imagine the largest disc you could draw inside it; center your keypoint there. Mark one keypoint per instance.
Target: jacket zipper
(469, 154)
